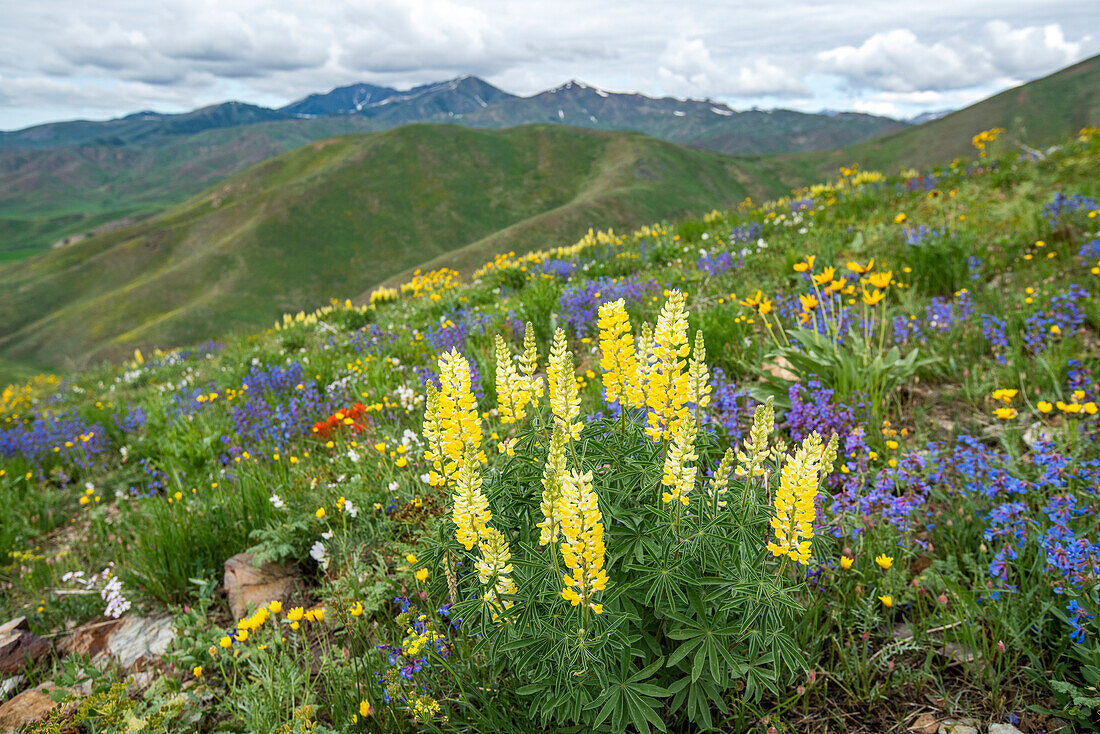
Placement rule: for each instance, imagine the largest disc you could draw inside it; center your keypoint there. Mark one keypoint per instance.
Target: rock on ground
(25, 708)
(133, 641)
(248, 586)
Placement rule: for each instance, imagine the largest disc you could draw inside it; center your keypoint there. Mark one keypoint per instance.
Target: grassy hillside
(48, 195)
(336, 218)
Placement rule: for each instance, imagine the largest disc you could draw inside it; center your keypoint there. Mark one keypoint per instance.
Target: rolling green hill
(339, 216)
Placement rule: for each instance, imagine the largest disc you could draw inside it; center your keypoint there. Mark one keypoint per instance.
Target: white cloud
(122, 55)
(898, 61)
(686, 68)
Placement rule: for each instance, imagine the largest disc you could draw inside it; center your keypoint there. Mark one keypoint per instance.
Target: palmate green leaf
(627, 695)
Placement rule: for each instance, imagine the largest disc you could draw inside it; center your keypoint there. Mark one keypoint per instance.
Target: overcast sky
(65, 59)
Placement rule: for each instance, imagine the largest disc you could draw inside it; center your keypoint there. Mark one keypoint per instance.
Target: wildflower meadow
(826, 463)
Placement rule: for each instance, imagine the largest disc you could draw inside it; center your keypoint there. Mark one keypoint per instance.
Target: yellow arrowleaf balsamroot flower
(881, 280)
(562, 384)
(617, 357)
(872, 298)
(471, 508)
(805, 266)
(825, 276)
(668, 387)
(552, 477)
(513, 391)
(494, 569)
(793, 522)
(294, 616)
(884, 561)
(860, 269)
(582, 544)
(678, 476)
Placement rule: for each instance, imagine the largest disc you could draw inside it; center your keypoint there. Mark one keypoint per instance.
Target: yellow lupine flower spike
(494, 568)
(668, 389)
(552, 477)
(513, 392)
(471, 509)
(794, 502)
(582, 544)
(699, 374)
(678, 476)
(529, 362)
(617, 357)
(562, 382)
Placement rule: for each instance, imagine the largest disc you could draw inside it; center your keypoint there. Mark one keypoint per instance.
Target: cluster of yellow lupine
(801, 476)
(561, 381)
(517, 388)
(433, 284)
(582, 544)
(667, 388)
(451, 421)
(649, 372)
(720, 482)
(290, 320)
(618, 359)
(452, 429)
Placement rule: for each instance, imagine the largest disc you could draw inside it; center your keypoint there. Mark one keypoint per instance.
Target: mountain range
(63, 180)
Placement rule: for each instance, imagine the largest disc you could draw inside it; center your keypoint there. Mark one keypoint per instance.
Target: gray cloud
(66, 58)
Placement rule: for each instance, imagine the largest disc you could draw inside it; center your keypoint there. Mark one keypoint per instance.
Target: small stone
(965, 726)
(781, 369)
(1003, 729)
(27, 707)
(925, 724)
(958, 653)
(250, 587)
